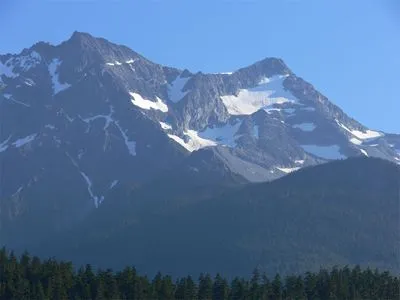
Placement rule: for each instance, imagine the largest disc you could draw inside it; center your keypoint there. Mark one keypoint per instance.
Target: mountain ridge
(81, 118)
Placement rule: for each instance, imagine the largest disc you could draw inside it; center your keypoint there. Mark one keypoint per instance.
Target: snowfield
(224, 135)
(165, 126)
(139, 101)
(367, 135)
(268, 92)
(54, 74)
(288, 170)
(193, 141)
(355, 141)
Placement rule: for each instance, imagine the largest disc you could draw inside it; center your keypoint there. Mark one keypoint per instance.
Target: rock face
(80, 118)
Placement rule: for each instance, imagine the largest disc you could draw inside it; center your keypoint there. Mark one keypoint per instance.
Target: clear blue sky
(348, 49)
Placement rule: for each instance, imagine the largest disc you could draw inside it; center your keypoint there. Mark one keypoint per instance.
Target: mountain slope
(339, 213)
(82, 118)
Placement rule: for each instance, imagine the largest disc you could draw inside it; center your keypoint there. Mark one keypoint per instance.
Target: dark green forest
(28, 277)
(339, 213)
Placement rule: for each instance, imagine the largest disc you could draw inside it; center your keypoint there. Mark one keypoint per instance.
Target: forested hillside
(340, 213)
(30, 278)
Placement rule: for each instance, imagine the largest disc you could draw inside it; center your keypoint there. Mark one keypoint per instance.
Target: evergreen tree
(255, 292)
(276, 286)
(220, 288)
(128, 283)
(239, 290)
(205, 287)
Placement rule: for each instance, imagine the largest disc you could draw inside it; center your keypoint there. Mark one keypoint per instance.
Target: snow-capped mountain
(80, 118)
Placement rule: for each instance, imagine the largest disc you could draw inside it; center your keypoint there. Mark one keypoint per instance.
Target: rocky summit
(81, 118)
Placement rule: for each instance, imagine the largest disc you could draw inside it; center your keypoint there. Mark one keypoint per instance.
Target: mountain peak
(273, 63)
(268, 67)
(78, 35)
(84, 40)
(82, 37)
(93, 49)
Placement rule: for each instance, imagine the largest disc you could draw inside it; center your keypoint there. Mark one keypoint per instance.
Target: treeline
(30, 278)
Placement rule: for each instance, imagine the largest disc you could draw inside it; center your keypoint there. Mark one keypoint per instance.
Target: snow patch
(113, 184)
(26, 62)
(81, 153)
(223, 135)
(288, 170)
(271, 108)
(223, 73)
(49, 126)
(305, 126)
(367, 135)
(18, 191)
(364, 152)
(131, 145)
(355, 141)
(180, 141)
(3, 145)
(269, 91)
(7, 70)
(117, 63)
(327, 152)
(165, 126)
(139, 101)
(299, 161)
(175, 89)
(97, 200)
(107, 118)
(256, 131)
(11, 98)
(54, 73)
(29, 82)
(194, 142)
(23, 141)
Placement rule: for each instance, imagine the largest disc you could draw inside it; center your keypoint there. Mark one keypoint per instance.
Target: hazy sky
(348, 49)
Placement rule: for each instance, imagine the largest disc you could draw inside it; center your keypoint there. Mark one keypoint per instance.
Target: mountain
(339, 213)
(83, 118)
